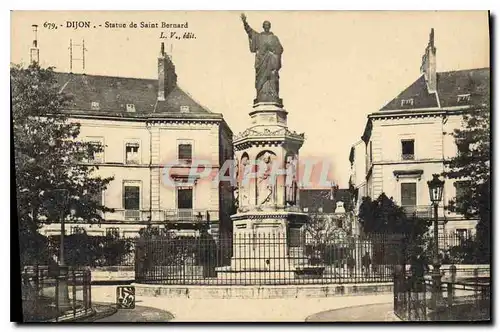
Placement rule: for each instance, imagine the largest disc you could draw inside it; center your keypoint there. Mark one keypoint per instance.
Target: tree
(48, 156)
(472, 163)
(327, 242)
(383, 216)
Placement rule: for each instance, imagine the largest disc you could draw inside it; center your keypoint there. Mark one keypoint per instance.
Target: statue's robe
(268, 50)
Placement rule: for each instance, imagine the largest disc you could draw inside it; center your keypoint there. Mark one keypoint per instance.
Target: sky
(337, 66)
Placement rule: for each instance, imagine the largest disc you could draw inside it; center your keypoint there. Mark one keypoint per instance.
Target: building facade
(357, 179)
(410, 138)
(152, 133)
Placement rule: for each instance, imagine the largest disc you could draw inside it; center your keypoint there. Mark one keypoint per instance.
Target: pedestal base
(62, 289)
(260, 241)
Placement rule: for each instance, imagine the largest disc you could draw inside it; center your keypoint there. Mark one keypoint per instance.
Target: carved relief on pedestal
(265, 181)
(291, 180)
(244, 171)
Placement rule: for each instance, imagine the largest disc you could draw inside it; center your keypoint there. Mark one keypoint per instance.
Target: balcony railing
(418, 211)
(190, 215)
(408, 156)
(136, 215)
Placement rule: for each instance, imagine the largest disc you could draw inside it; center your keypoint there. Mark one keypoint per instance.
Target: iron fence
(40, 294)
(415, 299)
(272, 259)
(82, 250)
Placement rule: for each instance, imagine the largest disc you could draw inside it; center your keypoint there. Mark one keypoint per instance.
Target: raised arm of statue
(250, 32)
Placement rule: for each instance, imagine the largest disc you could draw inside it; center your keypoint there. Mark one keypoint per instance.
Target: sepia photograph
(250, 166)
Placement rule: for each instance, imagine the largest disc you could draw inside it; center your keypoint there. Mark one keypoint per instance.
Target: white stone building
(149, 127)
(357, 179)
(408, 140)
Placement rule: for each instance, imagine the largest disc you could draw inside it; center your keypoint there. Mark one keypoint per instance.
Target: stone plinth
(260, 241)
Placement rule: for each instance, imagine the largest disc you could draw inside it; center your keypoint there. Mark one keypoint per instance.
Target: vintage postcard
(258, 166)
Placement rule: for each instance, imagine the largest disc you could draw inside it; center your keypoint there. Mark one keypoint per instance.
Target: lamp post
(62, 278)
(436, 194)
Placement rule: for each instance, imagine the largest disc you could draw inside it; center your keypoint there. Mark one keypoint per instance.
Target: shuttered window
(408, 194)
(185, 152)
(185, 198)
(131, 195)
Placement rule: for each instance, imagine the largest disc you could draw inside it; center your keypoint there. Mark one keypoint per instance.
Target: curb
(261, 292)
(388, 317)
(101, 310)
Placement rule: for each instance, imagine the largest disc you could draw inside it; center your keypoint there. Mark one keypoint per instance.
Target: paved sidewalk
(139, 314)
(243, 310)
(382, 312)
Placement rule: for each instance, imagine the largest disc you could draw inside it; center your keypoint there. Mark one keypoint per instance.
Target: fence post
(450, 299)
(74, 293)
(89, 285)
(85, 290)
(57, 298)
(476, 287)
(453, 275)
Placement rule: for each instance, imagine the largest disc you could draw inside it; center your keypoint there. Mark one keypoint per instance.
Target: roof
(475, 82)
(114, 93)
(316, 198)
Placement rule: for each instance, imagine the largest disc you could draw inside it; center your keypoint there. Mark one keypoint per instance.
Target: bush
(84, 250)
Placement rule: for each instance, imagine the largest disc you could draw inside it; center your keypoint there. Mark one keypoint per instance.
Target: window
(462, 147)
(295, 237)
(131, 196)
(320, 209)
(185, 198)
(185, 152)
(184, 109)
(97, 197)
(130, 108)
(113, 232)
(408, 149)
(461, 191)
(94, 106)
(407, 102)
(461, 233)
(96, 150)
(132, 153)
(339, 223)
(409, 195)
(465, 98)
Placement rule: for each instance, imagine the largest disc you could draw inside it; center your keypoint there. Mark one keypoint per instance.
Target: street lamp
(62, 289)
(436, 194)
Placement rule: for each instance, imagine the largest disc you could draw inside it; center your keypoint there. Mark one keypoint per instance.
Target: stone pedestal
(260, 241)
(267, 204)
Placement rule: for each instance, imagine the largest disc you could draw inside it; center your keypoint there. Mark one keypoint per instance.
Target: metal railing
(271, 259)
(190, 215)
(409, 156)
(161, 216)
(418, 211)
(415, 299)
(40, 300)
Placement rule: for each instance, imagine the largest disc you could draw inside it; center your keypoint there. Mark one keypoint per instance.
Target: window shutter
(408, 194)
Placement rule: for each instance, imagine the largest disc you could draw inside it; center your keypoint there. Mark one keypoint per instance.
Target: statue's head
(267, 26)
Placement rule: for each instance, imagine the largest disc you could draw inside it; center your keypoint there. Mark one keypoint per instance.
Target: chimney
(167, 78)
(34, 51)
(428, 67)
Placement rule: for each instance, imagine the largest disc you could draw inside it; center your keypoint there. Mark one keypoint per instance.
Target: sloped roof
(316, 198)
(475, 82)
(114, 93)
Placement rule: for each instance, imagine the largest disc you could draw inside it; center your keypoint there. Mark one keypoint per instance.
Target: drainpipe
(443, 122)
(150, 173)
